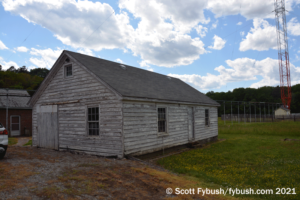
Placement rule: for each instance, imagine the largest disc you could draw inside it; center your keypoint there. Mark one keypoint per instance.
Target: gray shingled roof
(139, 83)
(16, 98)
(284, 108)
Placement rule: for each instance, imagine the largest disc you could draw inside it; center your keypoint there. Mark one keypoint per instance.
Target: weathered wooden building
(96, 106)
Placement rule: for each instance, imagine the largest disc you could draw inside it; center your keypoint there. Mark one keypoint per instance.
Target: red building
(15, 114)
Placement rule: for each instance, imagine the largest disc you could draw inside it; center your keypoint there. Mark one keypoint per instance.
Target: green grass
(253, 156)
(29, 143)
(12, 141)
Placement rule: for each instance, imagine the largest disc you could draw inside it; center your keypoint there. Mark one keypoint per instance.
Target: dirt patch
(35, 173)
(22, 141)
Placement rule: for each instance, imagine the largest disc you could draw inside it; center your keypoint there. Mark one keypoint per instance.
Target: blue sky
(212, 45)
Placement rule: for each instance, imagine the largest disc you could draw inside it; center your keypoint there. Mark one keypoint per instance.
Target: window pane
(206, 117)
(15, 127)
(93, 121)
(69, 70)
(15, 120)
(161, 119)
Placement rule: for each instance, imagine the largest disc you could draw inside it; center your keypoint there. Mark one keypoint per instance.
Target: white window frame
(166, 133)
(87, 120)
(207, 125)
(10, 126)
(65, 70)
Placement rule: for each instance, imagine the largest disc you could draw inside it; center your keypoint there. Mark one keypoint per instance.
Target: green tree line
(22, 78)
(263, 94)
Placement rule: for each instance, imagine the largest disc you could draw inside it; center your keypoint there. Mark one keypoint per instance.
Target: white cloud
(239, 23)
(261, 37)
(44, 58)
(162, 39)
(86, 52)
(173, 10)
(2, 45)
(242, 33)
(248, 8)
(180, 50)
(162, 34)
(119, 60)
(144, 64)
(241, 69)
(6, 65)
(22, 49)
(94, 26)
(293, 27)
(80, 24)
(201, 30)
(214, 25)
(219, 43)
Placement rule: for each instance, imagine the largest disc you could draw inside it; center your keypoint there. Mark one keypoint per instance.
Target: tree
(11, 69)
(41, 72)
(0, 67)
(22, 70)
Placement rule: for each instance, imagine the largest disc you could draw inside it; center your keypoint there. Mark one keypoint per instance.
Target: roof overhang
(59, 62)
(167, 101)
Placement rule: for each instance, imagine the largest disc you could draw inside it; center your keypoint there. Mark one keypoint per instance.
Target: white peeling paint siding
(140, 126)
(72, 125)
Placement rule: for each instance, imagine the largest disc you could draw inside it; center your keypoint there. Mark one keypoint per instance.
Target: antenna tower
(283, 53)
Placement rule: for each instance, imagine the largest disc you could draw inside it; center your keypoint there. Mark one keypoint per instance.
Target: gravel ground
(36, 173)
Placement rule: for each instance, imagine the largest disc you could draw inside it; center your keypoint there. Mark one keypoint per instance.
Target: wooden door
(48, 127)
(15, 125)
(191, 131)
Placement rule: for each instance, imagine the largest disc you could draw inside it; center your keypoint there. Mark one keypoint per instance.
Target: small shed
(282, 110)
(14, 108)
(91, 105)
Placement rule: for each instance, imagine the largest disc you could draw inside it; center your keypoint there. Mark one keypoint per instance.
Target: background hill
(22, 78)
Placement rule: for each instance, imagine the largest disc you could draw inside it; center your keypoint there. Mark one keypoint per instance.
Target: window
(206, 117)
(93, 121)
(162, 120)
(68, 70)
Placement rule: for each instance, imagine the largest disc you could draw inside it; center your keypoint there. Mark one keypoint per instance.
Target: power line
(235, 35)
(99, 26)
(27, 37)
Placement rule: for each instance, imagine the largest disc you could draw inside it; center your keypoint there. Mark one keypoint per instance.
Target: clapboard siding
(140, 126)
(72, 116)
(202, 131)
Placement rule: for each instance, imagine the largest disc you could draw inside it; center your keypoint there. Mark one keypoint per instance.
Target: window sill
(162, 134)
(93, 136)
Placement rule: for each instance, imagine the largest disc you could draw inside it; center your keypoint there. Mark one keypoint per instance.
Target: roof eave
(129, 98)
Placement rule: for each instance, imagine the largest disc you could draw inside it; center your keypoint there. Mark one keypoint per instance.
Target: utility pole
(6, 109)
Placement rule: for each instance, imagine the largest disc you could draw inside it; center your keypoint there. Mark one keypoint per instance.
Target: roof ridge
(120, 63)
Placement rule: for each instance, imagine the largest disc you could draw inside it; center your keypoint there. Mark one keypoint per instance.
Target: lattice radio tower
(283, 53)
